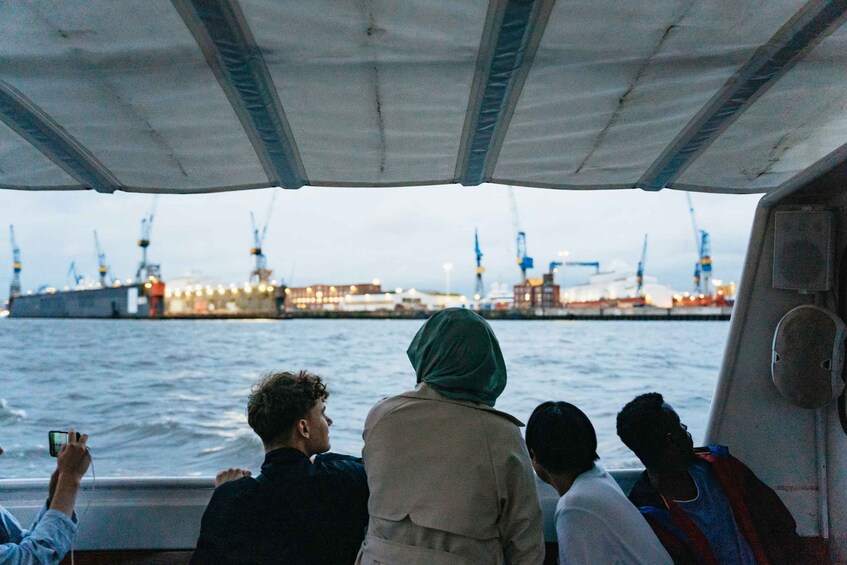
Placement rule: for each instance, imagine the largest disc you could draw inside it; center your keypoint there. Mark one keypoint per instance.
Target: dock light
(66, 288)
(375, 282)
(411, 291)
(270, 289)
(221, 290)
(29, 292)
(352, 288)
(209, 292)
(198, 293)
(262, 288)
(526, 297)
(476, 297)
(702, 296)
(564, 253)
(309, 290)
(178, 293)
(248, 289)
(148, 285)
(398, 290)
(129, 281)
(287, 291)
(332, 289)
(367, 298)
(235, 291)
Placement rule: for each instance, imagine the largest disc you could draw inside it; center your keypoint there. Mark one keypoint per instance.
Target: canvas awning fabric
(208, 95)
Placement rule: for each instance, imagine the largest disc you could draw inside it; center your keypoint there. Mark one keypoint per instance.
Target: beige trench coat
(450, 482)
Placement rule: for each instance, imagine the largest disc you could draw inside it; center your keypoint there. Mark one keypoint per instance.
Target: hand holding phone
(57, 439)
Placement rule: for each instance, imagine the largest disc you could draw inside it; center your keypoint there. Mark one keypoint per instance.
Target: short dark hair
(643, 425)
(280, 399)
(562, 438)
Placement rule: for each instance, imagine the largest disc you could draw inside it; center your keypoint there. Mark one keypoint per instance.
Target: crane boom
(479, 290)
(145, 269)
(261, 274)
(15, 286)
(639, 275)
(595, 264)
(102, 267)
(524, 261)
(703, 266)
(72, 272)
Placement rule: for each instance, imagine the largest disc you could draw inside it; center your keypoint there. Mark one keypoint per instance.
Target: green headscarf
(456, 353)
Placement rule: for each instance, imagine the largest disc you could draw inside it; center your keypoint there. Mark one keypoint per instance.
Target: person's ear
(303, 428)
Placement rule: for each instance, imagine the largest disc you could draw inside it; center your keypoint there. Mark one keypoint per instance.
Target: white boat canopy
(188, 96)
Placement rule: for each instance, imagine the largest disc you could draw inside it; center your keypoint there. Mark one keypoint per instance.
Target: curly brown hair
(280, 399)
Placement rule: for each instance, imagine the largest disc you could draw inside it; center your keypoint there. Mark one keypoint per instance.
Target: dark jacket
(295, 512)
(761, 516)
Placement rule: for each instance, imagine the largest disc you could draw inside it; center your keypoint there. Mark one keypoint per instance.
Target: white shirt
(597, 524)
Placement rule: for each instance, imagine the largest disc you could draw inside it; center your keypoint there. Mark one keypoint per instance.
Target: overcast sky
(401, 236)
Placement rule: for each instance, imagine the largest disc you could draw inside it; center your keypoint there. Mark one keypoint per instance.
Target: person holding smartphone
(54, 529)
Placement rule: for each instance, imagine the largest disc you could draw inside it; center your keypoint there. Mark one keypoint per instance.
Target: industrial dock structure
(606, 295)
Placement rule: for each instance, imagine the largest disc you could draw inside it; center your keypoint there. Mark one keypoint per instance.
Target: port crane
(102, 267)
(15, 287)
(595, 264)
(639, 274)
(261, 274)
(703, 266)
(479, 290)
(523, 260)
(147, 270)
(554, 267)
(74, 274)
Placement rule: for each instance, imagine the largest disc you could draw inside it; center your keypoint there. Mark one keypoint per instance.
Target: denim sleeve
(49, 540)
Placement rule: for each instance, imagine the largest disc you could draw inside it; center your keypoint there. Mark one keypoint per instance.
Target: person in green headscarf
(457, 354)
(450, 477)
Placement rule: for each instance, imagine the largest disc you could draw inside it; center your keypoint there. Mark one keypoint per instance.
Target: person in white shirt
(595, 522)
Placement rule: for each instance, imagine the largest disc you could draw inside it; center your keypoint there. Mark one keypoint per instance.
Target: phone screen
(56, 440)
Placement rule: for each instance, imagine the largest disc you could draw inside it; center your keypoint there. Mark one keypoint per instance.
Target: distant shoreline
(595, 314)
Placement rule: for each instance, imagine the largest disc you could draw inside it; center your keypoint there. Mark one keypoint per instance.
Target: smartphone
(57, 440)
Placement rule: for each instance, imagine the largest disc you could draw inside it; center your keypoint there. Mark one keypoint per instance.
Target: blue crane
(102, 267)
(15, 287)
(524, 261)
(75, 276)
(479, 290)
(595, 264)
(554, 267)
(703, 266)
(261, 274)
(639, 275)
(145, 269)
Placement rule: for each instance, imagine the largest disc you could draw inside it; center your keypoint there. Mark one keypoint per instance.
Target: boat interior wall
(805, 453)
(193, 96)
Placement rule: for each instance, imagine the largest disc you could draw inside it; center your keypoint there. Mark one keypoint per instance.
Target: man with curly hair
(307, 505)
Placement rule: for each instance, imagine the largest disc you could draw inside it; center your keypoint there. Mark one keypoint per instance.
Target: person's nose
(328, 421)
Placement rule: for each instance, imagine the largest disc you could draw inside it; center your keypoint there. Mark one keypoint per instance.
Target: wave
(9, 414)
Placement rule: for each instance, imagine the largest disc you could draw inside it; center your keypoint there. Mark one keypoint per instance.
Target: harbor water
(167, 398)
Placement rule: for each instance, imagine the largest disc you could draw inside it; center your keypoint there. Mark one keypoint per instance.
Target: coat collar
(425, 392)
